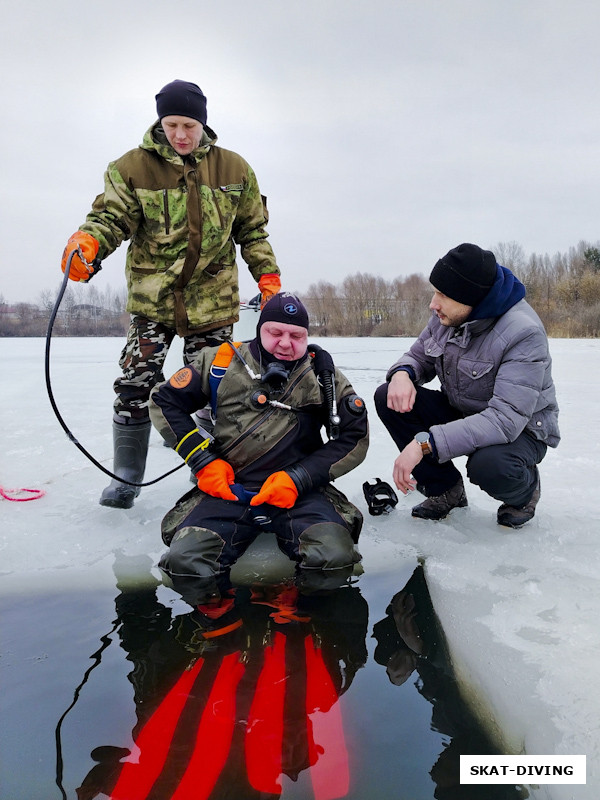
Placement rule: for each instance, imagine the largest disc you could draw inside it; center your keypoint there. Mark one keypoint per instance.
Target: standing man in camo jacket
(184, 204)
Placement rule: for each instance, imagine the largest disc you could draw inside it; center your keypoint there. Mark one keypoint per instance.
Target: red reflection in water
(266, 709)
(264, 732)
(327, 745)
(214, 733)
(138, 777)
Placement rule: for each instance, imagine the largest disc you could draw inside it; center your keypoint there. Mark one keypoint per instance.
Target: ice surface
(520, 608)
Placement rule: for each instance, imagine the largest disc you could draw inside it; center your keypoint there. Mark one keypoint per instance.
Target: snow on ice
(520, 608)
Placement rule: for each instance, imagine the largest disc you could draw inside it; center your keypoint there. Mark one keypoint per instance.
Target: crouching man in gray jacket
(497, 403)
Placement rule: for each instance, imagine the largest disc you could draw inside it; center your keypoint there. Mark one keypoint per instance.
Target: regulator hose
(57, 413)
(325, 369)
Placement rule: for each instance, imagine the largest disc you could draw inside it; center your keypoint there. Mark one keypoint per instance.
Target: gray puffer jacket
(496, 371)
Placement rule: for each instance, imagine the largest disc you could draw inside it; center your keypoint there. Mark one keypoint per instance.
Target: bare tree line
(84, 311)
(564, 289)
(367, 305)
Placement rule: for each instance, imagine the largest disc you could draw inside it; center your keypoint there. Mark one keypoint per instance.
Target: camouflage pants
(143, 357)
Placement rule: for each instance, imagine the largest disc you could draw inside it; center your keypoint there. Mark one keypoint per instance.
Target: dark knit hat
(465, 274)
(284, 307)
(181, 99)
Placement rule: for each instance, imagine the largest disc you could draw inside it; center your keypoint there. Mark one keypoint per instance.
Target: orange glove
(269, 285)
(79, 271)
(216, 478)
(278, 490)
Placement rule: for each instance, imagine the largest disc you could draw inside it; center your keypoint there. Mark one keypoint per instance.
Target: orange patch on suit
(181, 378)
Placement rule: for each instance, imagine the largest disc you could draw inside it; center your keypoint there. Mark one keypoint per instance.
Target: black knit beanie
(181, 99)
(465, 274)
(284, 307)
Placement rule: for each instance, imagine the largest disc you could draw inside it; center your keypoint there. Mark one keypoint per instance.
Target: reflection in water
(243, 715)
(409, 639)
(229, 716)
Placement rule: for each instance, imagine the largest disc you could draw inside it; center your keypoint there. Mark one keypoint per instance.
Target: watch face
(422, 438)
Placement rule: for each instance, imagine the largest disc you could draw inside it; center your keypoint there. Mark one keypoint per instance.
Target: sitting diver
(267, 465)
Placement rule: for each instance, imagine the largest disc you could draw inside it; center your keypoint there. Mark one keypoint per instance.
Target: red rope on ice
(7, 494)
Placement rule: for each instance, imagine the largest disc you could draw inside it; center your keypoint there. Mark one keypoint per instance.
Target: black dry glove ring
(301, 478)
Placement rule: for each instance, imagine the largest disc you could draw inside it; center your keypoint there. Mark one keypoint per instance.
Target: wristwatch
(424, 440)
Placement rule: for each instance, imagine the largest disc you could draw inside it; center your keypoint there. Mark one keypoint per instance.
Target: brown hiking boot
(440, 506)
(512, 517)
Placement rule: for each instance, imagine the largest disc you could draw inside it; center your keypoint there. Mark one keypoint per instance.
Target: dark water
(352, 697)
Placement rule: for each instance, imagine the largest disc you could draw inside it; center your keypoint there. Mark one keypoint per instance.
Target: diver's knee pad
(192, 564)
(327, 545)
(194, 551)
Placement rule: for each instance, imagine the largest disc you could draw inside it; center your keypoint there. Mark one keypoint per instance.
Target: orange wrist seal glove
(269, 285)
(216, 478)
(278, 490)
(79, 270)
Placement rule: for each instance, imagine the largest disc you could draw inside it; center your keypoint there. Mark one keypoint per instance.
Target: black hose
(97, 656)
(325, 369)
(55, 407)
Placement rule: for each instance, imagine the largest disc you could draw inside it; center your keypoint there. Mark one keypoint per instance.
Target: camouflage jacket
(258, 440)
(184, 217)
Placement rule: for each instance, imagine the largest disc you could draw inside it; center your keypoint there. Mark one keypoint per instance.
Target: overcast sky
(383, 132)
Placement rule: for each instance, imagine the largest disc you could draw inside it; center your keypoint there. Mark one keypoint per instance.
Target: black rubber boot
(130, 442)
(440, 506)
